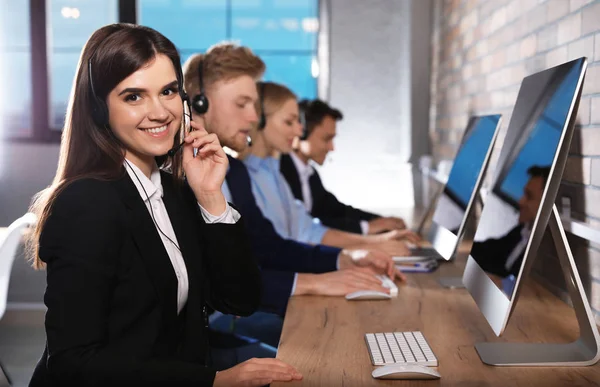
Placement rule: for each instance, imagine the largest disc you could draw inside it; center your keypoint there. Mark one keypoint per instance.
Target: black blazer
(112, 291)
(492, 254)
(279, 258)
(326, 207)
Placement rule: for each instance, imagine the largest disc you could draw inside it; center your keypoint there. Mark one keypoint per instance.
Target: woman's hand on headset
(206, 172)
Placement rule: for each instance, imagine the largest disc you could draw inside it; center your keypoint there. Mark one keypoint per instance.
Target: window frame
(41, 130)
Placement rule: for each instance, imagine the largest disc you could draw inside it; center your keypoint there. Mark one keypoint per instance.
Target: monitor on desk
(466, 175)
(523, 189)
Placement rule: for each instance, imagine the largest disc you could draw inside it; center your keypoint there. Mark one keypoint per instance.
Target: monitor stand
(583, 352)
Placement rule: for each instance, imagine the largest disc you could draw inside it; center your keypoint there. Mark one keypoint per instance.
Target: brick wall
(482, 49)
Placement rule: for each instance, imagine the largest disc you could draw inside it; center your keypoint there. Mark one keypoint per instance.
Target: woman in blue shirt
(279, 125)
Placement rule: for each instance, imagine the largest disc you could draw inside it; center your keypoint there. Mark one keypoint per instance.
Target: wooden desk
(323, 337)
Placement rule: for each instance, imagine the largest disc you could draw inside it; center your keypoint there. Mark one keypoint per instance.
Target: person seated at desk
(305, 182)
(503, 256)
(135, 254)
(278, 126)
(226, 76)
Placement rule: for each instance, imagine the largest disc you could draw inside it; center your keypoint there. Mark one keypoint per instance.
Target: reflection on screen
(452, 205)
(531, 145)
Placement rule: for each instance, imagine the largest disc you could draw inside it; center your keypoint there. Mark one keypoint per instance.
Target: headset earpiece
(302, 119)
(262, 119)
(200, 102)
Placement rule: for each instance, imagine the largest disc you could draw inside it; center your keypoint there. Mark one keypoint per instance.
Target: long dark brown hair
(89, 150)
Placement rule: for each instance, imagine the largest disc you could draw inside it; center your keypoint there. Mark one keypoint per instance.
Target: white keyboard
(400, 347)
(386, 282)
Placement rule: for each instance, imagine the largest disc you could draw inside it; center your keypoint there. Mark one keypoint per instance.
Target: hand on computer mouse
(377, 262)
(256, 372)
(338, 283)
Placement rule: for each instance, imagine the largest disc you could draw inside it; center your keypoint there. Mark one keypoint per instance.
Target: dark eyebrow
(137, 90)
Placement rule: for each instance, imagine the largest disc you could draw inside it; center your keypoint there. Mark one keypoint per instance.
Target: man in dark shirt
(305, 182)
(503, 256)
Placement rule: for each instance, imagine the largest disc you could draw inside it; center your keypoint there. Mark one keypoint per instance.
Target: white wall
(25, 169)
(372, 78)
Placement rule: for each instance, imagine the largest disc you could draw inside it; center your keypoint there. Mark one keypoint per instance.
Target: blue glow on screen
(540, 147)
(469, 160)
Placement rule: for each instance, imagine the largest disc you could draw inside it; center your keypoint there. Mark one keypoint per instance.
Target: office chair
(8, 251)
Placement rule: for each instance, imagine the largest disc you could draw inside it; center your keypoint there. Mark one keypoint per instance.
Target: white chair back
(9, 246)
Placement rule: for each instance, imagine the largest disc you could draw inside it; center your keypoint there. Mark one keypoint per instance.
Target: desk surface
(323, 337)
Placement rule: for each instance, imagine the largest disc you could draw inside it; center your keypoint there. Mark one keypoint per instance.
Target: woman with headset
(279, 126)
(137, 245)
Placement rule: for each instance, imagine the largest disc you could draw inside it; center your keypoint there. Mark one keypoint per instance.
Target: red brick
(592, 81)
(596, 172)
(597, 48)
(498, 19)
(468, 38)
(528, 46)
(578, 170)
(569, 28)
(512, 11)
(486, 64)
(547, 38)
(588, 142)
(591, 18)
(532, 20)
(513, 52)
(557, 9)
(592, 202)
(499, 59)
(583, 115)
(582, 47)
(576, 4)
(594, 110)
(557, 56)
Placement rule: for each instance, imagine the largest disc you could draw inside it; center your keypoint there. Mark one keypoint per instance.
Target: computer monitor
(523, 189)
(456, 200)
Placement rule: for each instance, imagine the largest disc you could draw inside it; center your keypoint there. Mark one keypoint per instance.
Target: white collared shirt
(151, 191)
(518, 250)
(305, 171)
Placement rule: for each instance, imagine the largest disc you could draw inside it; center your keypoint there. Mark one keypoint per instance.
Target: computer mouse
(367, 295)
(405, 371)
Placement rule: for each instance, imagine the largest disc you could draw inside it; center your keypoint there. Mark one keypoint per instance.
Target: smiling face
(320, 141)
(232, 114)
(145, 111)
(283, 126)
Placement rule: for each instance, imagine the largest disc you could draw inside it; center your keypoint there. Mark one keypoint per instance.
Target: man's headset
(200, 102)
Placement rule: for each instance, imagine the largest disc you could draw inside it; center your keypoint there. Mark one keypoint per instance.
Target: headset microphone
(249, 140)
(173, 151)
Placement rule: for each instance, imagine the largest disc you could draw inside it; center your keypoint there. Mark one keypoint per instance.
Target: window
(282, 32)
(71, 22)
(15, 70)
(41, 41)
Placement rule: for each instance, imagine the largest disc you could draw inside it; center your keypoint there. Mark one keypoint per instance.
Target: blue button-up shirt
(278, 204)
